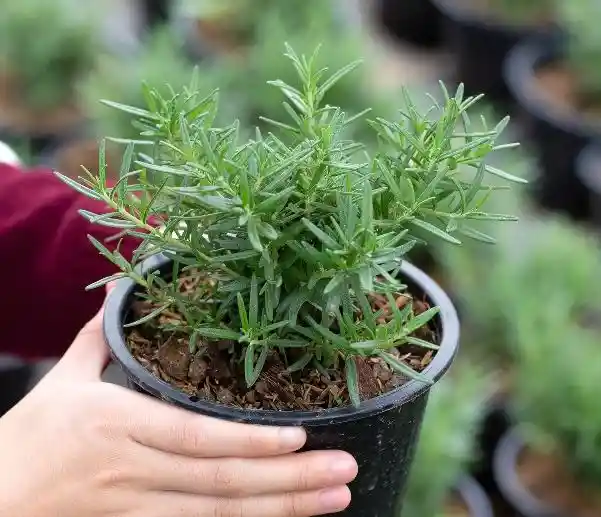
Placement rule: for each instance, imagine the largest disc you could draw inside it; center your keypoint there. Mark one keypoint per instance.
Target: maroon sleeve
(47, 261)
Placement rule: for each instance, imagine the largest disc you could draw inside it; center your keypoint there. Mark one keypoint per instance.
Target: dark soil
(215, 373)
(545, 476)
(560, 86)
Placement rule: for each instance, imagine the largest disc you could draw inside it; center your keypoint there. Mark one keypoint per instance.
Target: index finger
(170, 429)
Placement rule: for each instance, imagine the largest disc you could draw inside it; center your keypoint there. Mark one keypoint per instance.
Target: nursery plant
(555, 454)
(246, 83)
(241, 19)
(447, 446)
(158, 61)
(271, 284)
(46, 47)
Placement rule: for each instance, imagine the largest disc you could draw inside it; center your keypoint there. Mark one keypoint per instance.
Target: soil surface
(69, 159)
(545, 476)
(493, 10)
(455, 507)
(215, 371)
(558, 85)
(15, 114)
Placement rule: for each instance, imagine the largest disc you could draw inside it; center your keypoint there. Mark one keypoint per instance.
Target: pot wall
(382, 433)
(558, 137)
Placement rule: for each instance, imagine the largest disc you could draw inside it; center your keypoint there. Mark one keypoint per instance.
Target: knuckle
(292, 506)
(190, 437)
(228, 508)
(112, 477)
(303, 476)
(224, 480)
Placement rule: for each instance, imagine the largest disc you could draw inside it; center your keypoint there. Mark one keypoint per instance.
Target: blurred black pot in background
(480, 45)
(559, 133)
(588, 169)
(415, 21)
(155, 12)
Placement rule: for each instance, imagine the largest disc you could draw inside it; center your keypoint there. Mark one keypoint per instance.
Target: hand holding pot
(77, 446)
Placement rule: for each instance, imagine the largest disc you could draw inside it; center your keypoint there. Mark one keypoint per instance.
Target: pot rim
(116, 305)
(466, 16)
(506, 476)
(474, 497)
(518, 71)
(586, 171)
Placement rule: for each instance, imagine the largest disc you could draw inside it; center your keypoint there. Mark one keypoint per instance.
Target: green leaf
(253, 311)
(434, 230)
(218, 333)
(150, 316)
(301, 363)
(402, 368)
(253, 234)
(322, 236)
(352, 381)
(88, 192)
(420, 320)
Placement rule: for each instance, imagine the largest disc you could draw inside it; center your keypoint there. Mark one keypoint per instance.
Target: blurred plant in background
(447, 441)
(45, 47)
(556, 314)
(159, 61)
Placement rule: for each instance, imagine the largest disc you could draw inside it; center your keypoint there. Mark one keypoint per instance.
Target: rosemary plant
(293, 239)
(46, 47)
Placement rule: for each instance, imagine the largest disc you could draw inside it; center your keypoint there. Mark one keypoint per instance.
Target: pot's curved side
(588, 169)
(507, 478)
(381, 433)
(558, 135)
(474, 497)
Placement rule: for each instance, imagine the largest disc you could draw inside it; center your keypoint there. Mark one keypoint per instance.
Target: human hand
(77, 446)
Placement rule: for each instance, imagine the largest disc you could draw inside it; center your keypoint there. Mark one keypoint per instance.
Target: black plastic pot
(15, 375)
(474, 497)
(497, 422)
(415, 21)
(480, 46)
(381, 434)
(588, 169)
(513, 491)
(559, 137)
(155, 12)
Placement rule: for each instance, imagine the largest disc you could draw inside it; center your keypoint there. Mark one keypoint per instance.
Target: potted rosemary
(118, 78)
(557, 83)
(42, 56)
(275, 290)
(481, 33)
(550, 463)
(438, 484)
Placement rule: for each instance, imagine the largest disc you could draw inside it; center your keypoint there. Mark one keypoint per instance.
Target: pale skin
(76, 446)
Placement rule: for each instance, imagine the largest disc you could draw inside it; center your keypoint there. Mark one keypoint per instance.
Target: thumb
(88, 355)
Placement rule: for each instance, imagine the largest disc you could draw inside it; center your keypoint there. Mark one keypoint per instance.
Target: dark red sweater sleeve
(47, 261)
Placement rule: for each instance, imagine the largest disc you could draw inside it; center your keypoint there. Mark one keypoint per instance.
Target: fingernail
(334, 499)
(344, 465)
(292, 437)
